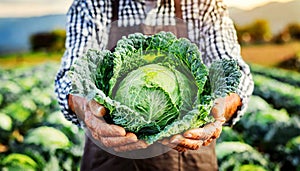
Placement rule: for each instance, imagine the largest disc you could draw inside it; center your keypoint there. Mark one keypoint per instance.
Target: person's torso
(135, 12)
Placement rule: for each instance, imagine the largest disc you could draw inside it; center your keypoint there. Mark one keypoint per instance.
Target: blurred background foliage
(48, 41)
(34, 134)
(259, 31)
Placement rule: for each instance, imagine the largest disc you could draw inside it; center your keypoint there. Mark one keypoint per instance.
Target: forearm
(62, 89)
(220, 41)
(80, 37)
(76, 107)
(74, 49)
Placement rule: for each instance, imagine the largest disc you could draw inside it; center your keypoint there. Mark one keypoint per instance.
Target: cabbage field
(35, 136)
(33, 133)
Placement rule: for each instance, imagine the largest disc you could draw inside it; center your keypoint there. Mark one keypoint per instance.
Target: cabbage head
(154, 86)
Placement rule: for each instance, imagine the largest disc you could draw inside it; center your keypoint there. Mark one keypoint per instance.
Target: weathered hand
(193, 139)
(109, 135)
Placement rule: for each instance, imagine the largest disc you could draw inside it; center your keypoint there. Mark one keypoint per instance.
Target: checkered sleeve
(79, 31)
(62, 83)
(221, 42)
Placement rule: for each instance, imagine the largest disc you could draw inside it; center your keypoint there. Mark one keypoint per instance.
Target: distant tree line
(53, 41)
(258, 31)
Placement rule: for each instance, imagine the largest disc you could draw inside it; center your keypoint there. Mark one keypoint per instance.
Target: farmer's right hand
(109, 135)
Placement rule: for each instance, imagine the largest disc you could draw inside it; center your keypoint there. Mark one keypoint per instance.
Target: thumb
(97, 109)
(233, 102)
(219, 109)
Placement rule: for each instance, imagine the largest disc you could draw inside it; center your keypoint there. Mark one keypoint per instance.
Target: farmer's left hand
(193, 139)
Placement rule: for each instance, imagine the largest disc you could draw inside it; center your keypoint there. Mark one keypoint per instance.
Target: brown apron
(96, 159)
(116, 31)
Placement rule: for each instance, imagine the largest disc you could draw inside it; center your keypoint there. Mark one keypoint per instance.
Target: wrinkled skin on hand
(109, 135)
(117, 138)
(193, 139)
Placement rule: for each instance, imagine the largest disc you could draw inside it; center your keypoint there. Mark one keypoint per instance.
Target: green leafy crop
(155, 86)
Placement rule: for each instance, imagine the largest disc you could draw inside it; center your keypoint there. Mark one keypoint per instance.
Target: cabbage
(155, 93)
(17, 161)
(234, 155)
(49, 137)
(155, 86)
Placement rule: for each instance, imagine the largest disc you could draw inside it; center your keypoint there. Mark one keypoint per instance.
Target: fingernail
(175, 141)
(188, 135)
(143, 145)
(117, 149)
(164, 141)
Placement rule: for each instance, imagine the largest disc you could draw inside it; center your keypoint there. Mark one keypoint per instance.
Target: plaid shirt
(208, 25)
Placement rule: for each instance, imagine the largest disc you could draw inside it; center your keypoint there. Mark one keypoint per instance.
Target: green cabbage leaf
(155, 86)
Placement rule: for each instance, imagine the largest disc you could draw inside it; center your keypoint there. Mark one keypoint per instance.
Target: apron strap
(115, 9)
(178, 11)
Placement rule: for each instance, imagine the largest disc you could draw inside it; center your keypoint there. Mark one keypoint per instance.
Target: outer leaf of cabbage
(224, 77)
(98, 76)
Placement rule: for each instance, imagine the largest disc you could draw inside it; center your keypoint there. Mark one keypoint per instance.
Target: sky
(250, 4)
(27, 8)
